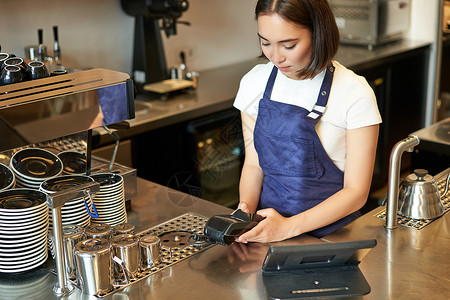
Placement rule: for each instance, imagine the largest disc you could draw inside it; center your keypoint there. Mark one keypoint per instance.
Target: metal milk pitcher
(94, 266)
(72, 235)
(126, 248)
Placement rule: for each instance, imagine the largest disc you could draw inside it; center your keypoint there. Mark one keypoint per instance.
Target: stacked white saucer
(73, 212)
(7, 178)
(73, 162)
(32, 166)
(23, 230)
(110, 200)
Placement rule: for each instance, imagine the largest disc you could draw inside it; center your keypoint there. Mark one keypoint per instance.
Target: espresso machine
(152, 17)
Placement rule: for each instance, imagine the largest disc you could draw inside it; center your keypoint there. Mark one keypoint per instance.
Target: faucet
(55, 201)
(406, 144)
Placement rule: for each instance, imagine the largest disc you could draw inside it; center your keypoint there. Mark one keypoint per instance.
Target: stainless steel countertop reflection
(406, 263)
(216, 273)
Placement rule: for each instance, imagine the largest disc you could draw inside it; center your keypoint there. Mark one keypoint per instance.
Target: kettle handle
(446, 186)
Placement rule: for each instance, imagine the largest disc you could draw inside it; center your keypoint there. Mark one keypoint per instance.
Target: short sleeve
(251, 89)
(364, 109)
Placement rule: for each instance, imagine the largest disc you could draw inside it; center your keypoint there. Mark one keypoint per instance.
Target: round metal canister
(94, 271)
(98, 231)
(123, 228)
(126, 247)
(150, 246)
(72, 235)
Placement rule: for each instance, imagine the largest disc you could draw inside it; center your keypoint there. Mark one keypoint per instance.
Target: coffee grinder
(152, 17)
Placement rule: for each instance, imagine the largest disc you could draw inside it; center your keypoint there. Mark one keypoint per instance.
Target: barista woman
(310, 126)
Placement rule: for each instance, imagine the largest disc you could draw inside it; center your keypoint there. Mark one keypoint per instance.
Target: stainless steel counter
(405, 264)
(433, 151)
(358, 58)
(218, 87)
(215, 273)
(437, 133)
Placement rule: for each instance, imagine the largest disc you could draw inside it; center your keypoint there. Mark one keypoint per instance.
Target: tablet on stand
(316, 270)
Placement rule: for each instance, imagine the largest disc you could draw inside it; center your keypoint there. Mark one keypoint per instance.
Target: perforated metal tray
(173, 234)
(441, 180)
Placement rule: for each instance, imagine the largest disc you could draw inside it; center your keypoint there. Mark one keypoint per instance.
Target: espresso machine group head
(152, 16)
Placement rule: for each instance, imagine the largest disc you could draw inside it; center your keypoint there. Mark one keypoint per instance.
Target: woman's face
(286, 45)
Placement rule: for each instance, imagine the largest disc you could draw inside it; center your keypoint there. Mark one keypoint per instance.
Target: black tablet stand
(316, 270)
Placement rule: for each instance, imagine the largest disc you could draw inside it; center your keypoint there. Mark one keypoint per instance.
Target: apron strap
(270, 83)
(322, 100)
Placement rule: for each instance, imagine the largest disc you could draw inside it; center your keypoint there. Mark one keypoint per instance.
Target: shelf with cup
(14, 69)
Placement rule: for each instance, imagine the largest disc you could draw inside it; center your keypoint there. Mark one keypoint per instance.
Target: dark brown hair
(316, 15)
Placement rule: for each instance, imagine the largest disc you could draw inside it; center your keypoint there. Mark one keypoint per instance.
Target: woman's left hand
(274, 227)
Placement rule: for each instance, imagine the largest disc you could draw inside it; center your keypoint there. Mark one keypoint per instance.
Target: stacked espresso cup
(14, 69)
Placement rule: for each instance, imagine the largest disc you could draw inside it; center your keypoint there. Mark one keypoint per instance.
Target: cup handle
(124, 271)
(95, 214)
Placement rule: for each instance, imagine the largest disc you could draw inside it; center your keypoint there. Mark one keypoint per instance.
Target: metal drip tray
(441, 179)
(175, 248)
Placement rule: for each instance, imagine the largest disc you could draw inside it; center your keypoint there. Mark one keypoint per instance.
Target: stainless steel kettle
(419, 196)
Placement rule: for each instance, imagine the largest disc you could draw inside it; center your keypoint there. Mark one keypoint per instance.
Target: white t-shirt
(351, 103)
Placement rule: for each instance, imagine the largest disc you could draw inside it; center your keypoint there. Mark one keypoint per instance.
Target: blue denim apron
(298, 173)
